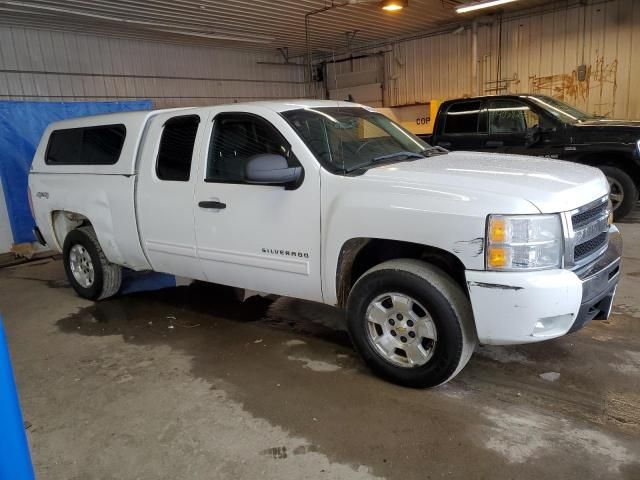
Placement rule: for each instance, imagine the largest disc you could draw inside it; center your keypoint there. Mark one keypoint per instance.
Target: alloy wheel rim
(616, 193)
(81, 266)
(401, 330)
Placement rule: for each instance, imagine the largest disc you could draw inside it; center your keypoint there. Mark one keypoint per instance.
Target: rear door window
(463, 118)
(176, 148)
(100, 145)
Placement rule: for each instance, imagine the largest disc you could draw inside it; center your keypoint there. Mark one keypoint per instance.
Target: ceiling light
(393, 5)
(479, 5)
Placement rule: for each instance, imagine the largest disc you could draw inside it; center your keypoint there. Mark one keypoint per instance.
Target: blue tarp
(21, 126)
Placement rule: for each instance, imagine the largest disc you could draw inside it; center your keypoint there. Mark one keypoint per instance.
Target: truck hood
(609, 123)
(550, 185)
(622, 130)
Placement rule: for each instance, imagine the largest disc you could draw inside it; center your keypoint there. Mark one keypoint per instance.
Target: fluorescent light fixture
(479, 5)
(393, 5)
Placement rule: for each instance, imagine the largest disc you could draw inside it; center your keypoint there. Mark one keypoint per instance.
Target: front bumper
(525, 307)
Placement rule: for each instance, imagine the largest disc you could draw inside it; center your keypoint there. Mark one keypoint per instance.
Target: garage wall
(538, 52)
(6, 238)
(49, 65)
(541, 53)
(362, 78)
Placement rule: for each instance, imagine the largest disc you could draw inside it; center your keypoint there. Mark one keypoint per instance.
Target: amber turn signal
(497, 230)
(497, 257)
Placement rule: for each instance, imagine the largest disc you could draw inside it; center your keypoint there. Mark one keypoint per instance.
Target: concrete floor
(187, 383)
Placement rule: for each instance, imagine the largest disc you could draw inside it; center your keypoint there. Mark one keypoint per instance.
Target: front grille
(583, 218)
(590, 232)
(587, 248)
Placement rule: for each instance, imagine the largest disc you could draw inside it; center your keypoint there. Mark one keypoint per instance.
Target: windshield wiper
(401, 156)
(427, 152)
(397, 154)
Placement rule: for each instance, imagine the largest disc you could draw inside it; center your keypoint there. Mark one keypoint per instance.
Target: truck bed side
(63, 201)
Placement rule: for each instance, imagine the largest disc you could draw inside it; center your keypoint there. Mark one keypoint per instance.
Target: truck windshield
(345, 139)
(561, 110)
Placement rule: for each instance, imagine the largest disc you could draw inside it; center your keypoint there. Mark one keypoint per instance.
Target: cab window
(510, 116)
(236, 139)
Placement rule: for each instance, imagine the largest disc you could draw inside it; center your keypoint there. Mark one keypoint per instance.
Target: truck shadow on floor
(203, 304)
(210, 318)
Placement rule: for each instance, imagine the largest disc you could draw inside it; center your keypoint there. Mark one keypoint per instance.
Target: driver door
(259, 237)
(514, 127)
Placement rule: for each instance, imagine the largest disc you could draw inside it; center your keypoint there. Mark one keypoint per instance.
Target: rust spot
(600, 82)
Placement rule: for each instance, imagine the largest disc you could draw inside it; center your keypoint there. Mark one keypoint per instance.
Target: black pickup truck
(544, 126)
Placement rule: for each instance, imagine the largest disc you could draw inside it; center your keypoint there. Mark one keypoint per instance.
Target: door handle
(494, 143)
(212, 204)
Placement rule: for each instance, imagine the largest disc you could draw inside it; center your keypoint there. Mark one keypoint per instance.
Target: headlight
(523, 242)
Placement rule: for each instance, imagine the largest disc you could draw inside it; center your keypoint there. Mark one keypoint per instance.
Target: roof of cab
(494, 97)
(141, 115)
(295, 104)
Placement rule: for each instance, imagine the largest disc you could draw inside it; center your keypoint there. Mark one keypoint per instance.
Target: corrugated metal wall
(361, 77)
(438, 66)
(539, 52)
(46, 65)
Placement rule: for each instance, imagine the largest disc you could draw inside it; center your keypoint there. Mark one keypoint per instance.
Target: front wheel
(411, 323)
(624, 192)
(91, 275)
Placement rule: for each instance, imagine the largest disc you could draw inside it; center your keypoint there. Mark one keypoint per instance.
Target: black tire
(445, 301)
(621, 180)
(107, 276)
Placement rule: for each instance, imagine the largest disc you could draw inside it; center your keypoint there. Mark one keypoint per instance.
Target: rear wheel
(91, 275)
(624, 192)
(411, 323)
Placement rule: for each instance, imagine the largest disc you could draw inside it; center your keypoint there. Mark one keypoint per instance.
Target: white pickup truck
(430, 252)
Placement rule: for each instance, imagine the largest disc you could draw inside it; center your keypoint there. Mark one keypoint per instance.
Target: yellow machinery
(418, 119)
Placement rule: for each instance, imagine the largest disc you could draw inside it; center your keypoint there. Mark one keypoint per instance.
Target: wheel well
(64, 221)
(360, 254)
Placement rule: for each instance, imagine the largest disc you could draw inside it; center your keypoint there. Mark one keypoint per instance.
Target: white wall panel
(64, 66)
(539, 52)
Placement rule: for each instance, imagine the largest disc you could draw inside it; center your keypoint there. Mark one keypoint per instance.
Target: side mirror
(271, 169)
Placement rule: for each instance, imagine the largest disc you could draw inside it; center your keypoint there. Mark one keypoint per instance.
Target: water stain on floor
(291, 362)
